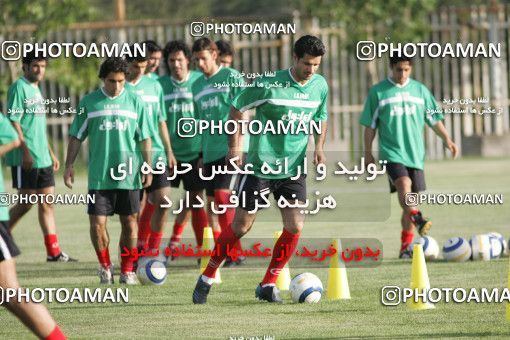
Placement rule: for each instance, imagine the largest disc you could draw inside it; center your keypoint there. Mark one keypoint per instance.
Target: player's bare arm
(5, 148)
(145, 147)
(165, 138)
(440, 130)
(54, 159)
(368, 138)
(72, 152)
(26, 157)
(234, 149)
(320, 139)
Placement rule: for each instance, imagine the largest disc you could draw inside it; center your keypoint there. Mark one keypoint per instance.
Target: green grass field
(232, 310)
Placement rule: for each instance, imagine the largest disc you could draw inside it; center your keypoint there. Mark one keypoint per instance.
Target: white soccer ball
(480, 247)
(306, 287)
(504, 246)
(496, 245)
(429, 245)
(456, 249)
(151, 271)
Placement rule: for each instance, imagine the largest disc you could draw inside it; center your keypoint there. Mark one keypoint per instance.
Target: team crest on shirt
(111, 106)
(301, 95)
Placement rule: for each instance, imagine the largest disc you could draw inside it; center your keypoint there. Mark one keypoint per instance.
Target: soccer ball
(496, 245)
(480, 247)
(456, 249)
(151, 272)
(497, 237)
(429, 245)
(306, 287)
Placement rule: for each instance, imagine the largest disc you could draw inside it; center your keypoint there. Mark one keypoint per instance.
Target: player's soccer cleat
(106, 275)
(405, 254)
(128, 278)
(230, 263)
(201, 291)
(268, 293)
(172, 246)
(422, 223)
(62, 257)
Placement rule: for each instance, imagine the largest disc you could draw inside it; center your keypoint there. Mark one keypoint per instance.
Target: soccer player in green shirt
(154, 52)
(305, 93)
(179, 104)
(225, 59)
(397, 107)
(226, 53)
(212, 103)
(114, 120)
(33, 164)
(154, 212)
(34, 315)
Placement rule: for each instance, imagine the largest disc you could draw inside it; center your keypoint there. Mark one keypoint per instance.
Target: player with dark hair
(212, 104)
(225, 59)
(226, 53)
(34, 163)
(179, 105)
(306, 92)
(154, 53)
(34, 315)
(114, 120)
(154, 213)
(397, 107)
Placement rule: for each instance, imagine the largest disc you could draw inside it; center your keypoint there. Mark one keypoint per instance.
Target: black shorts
(33, 178)
(159, 181)
(115, 201)
(8, 248)
(219, 181)
(397, 170)
(191, 180)
(286, 187)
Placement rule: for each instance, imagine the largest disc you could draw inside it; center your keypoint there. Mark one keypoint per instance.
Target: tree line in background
(390, 20)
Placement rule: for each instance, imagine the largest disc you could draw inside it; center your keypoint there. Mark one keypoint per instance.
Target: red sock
(177, 232)
(216, 234)
(104, 258)
(406, 239)
(144, 226)
(126, 262)
(155, 239)
(282, 252)
(238, 245)
(226, 240)
(223, 197)
(199, 222)
(56, 334)
(51, 243)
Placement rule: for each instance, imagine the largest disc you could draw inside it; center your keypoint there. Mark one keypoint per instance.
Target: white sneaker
(128, 278)
(106, 275)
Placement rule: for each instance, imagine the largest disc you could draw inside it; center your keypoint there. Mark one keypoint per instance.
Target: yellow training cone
(419, 279)
(508, 304)
(338, 287)
(283, 281)
(208, 243)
